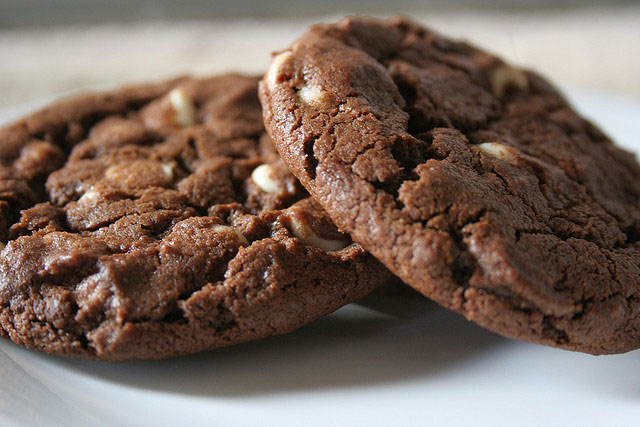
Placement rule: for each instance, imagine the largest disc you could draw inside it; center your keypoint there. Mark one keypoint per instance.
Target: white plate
(415, 364)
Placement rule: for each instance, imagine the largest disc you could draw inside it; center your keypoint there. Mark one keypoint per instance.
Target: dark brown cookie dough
(473, 181)
(158, 220)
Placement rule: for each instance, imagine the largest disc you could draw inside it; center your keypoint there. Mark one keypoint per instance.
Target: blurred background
(53, 47)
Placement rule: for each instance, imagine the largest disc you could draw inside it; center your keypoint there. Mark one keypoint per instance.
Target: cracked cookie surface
(475, 182)
(158, 220)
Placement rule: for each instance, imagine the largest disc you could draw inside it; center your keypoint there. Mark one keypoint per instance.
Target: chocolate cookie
(473, 181)
(158, 220)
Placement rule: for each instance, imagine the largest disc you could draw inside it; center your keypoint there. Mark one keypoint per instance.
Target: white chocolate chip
(113, 172)
(393, 70)
(308, 237)
(167, 169)
(310, 94)
(243, 240)
(504, 77)
(274, 69)
(88, 197)
(183, 106)
(263, 177)
(499, 151)
(225, 228)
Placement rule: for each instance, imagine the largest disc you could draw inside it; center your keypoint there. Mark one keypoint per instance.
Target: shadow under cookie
(354, 347)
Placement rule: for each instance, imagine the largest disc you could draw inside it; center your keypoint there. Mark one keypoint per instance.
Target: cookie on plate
(474, 181)
(158, 220)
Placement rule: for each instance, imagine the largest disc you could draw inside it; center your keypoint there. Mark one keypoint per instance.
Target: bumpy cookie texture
(158, 220)
(473, 181)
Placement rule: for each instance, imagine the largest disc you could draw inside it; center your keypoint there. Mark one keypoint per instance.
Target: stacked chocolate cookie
(158, 220)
